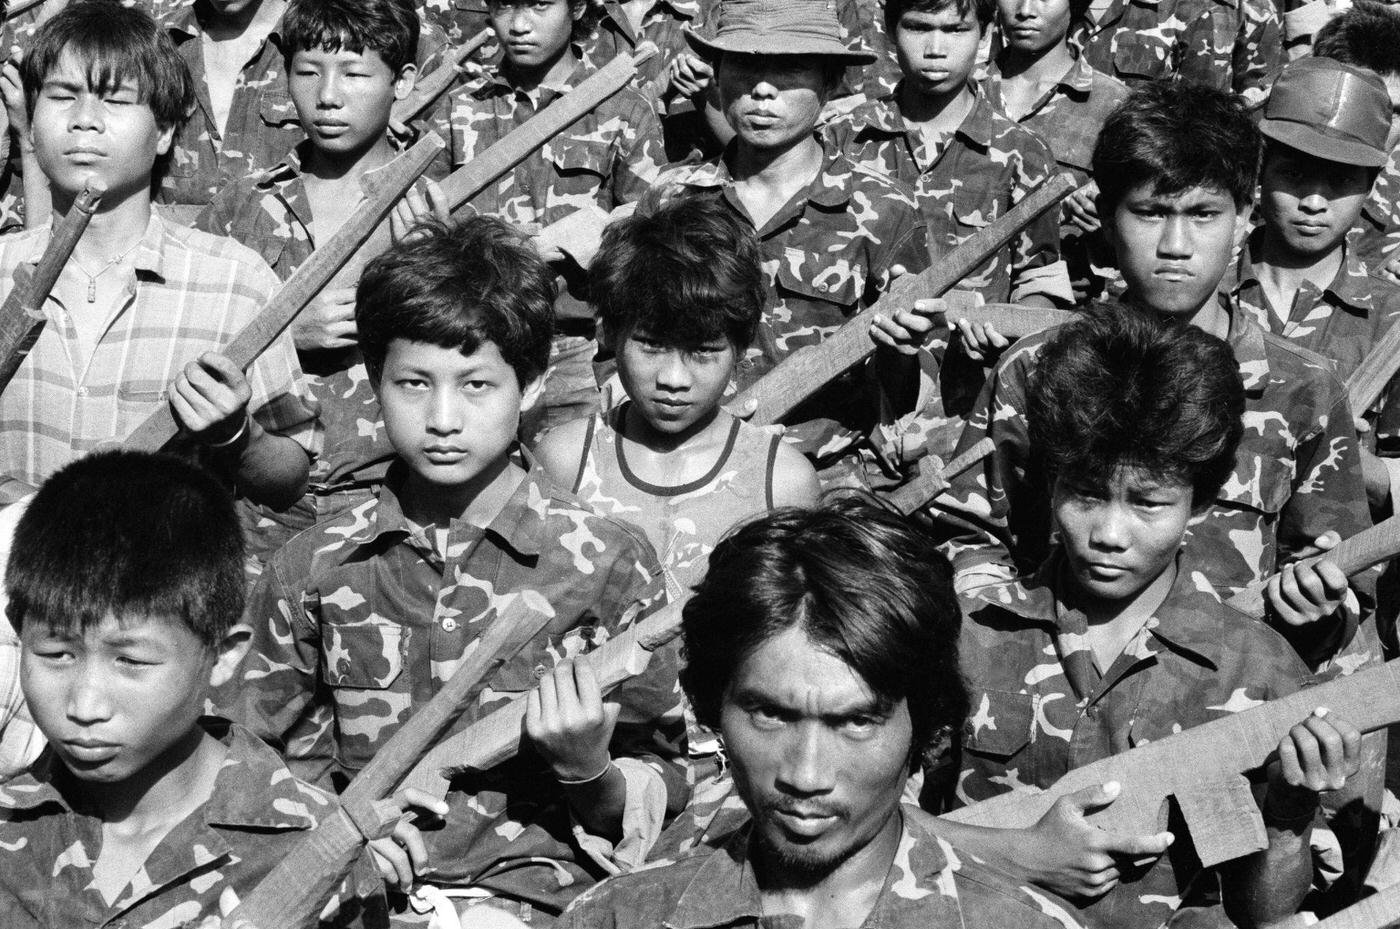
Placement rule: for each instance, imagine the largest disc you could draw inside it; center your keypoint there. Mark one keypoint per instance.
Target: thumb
(1093, 798)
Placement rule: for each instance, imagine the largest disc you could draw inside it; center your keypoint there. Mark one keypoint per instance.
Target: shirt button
(822, 288)
(82, 391)
(540, 671)
(449, 624)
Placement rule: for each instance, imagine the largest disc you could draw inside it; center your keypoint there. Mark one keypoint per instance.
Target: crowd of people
(526, 420)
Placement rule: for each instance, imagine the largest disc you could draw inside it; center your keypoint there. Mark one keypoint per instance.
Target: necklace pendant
(92, 290)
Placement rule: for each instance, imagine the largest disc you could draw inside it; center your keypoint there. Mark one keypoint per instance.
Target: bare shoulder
(794, 479)
(561, 449)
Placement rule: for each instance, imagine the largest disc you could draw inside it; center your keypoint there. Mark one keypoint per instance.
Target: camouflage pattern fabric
(827, 254)
(1040, 706)
(664, 23)
(1376, 235)
(931, 885)
(256, 815)
(360, 620)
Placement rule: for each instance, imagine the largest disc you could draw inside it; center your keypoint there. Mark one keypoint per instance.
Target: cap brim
(1308, 140)
(770, 45)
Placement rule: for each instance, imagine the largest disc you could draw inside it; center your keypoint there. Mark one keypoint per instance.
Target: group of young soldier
(527, 419)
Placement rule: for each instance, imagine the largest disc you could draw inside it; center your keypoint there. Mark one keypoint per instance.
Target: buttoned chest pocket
(367, 654)
(1259, 484)
(815, 292)
(1141, 58)
(270, 247)
(538, 658)
(1001, 723)
(276, 109)
(580, 158)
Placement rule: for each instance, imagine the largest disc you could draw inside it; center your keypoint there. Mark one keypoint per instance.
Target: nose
(1025, 9)
(1109, 531)
(1314, 201)
(444, 413)
(519, 22)
(1175, 241)
(763, 90)
(87, 112)
(88, 699)
(806, 769)
(673, 374)
(329, 94)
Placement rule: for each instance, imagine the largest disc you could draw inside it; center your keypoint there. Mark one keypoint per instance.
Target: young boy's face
(122, 698)
(1173, 249)
(771, 101)
(80, 135)
(451, 417)
(1118, 539)
(533, 33)
(1308, 203)
(1031, 26)
(937, 51)
(674, 388)
(344, 98)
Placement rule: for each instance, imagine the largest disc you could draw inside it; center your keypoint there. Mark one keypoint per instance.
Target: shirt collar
(494, 79)
(831, 188)
(883, 115)
(185, 21)
(1351, 288)
(1079, 79)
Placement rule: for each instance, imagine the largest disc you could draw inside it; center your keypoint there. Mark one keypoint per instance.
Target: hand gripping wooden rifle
(1013, 320)
(1203, 769)
(466, 182)
(22, 314)
(807, 370)
(382, 189)
(427, 91)
(295, 891)
(1366, 383)
(929, 482)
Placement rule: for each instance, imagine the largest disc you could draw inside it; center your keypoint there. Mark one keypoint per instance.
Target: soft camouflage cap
(1330, 110)
(779, 27)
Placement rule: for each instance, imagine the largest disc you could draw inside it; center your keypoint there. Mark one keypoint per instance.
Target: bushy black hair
(1119, 388)
(130, 535)
(685, 269)
(1175, 136)
(389, 27)
(114, 43)
(986, 10)
(859, 580)
(458, 285)
(1367, 35)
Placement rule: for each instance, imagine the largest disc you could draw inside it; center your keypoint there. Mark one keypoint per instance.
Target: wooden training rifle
(296, 890)
(930, 482)
(808, 369)
(22, 314)
(466, 182)
(1377, 911)
(383, 188)
(1365, 384)
(20, 8)
(1013, 320)
(427, 91)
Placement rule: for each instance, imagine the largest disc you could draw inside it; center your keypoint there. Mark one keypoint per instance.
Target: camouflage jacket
(1376, 234)
(271, 214)
(931, 885)
(1040, 707)
(1233, 45)
(256, 815)
(664, 24)
(1297, 472)
(359, 620)
(609, 157)
(829, 253)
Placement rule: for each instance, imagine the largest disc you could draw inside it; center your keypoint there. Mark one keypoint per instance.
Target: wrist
(581, 776)
(237, 442)
(1289, 808)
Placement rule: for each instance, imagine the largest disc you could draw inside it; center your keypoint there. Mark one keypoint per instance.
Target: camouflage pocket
(362, 655)
(270, 247)
(1140, 57)
(277, 109)
(816, 295)
(580, 156)
(1266, 487)
(1000, 724)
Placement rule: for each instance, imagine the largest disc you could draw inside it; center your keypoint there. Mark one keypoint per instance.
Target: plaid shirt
(256, 815)
(360, 620)
(1040, 707)
(190, 293)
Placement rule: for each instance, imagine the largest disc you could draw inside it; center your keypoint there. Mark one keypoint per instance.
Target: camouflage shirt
(827, 254)
(1297, 472)
(930, 885)
(256, 815)
(359, 620)
(609, 157)
(664, 23)
(1040, 706)
(1376, 234)
(1233, 45)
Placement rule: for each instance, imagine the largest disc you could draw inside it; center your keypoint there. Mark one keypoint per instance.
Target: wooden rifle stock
(1202, 768)
(427, 91)
(462, 185)
(383, 189)
(22, 314)
(296, 890)
(1013, 320)
(1377, 911)
(15, 10)
(1368, 381)
(807, 370)
(1353, 555)
(496, 737)
(929, 483)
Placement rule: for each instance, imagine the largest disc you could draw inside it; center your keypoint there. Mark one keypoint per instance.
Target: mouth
(84, 154)
(807, 823)
(90, 751)
(329, 125)
(1173, 273)
(761, 119)
(1103, 570)
(1310, 228)
(443, 454)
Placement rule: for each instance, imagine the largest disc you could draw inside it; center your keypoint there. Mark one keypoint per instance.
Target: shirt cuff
(1051, 280)
(643, 812)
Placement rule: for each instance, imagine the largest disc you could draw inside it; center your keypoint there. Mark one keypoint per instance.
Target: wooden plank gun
(21, 316)
(427, 91)
(383, 189)
(1369, 380)
(804, 372)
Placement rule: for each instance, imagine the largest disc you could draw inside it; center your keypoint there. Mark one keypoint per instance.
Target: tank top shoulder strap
(587, 451)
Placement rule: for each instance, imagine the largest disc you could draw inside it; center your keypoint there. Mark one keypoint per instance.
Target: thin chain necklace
(92, 278)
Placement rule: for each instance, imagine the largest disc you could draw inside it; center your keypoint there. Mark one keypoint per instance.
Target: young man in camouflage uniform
(126, 586)
(826, 697)
(1117, 639)
(361, 619)
(606, 159)
(833, 235)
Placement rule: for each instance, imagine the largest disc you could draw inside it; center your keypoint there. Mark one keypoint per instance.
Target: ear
(167, 138)
(230, 654)
(531, 393)
(406, 81)
(1242, 217)
(577, 9)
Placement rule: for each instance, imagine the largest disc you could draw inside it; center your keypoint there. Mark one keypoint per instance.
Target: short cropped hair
(986, 10)
(861, 581)
(686, 270)
(458, 285)
(389, 27)
(1367, 35)
(114, 43)
(1175, 136)
(1118, 388)
(131, 535)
